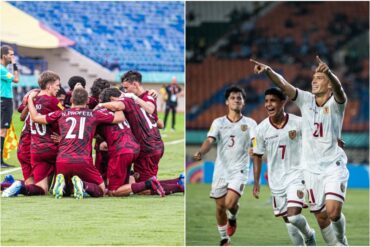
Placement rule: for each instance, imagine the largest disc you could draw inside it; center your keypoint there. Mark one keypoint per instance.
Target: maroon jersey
(147, 98)
(144, 127)
(25, 139)
(119, 138)
(77, 128)
(92, 102)
(40, 133)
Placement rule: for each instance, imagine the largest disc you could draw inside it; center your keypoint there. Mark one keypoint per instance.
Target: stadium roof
(17, 27)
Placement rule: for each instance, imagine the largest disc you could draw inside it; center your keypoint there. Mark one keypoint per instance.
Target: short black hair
(235, 89)
(277, 92)
(98, 86)
(131, 76)
(109, 92)
(61, 91)
(76, 79)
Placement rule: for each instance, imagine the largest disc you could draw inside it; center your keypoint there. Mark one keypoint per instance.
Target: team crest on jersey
(300, 194)
(326, 110)
(342, 187)
(292, 134)
(243, 127)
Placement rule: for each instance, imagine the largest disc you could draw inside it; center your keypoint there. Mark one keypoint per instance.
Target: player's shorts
(330, 185)
(294, 197)
(43, 165)
(119, 167)
(6, 112)
(235, 182)
(146, 166)
(24, 158)
(101, 162)
(85, 171)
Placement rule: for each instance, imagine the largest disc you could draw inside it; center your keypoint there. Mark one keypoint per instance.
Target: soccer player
(324, 161)
(6, 94)
(43, 149)
(279, 137)
(77, 127)
(233, 134)
(72, 83)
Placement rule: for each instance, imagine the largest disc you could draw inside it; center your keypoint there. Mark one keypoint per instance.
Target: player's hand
(78, 85)
(259, 67)
(250, 151)
(256, 191)
(131, 96)
(153, 93)
(25, 98)
(321, 67)
(103, 146)
(33, 94)
(197, 156)
(55, 137)
(341, 143)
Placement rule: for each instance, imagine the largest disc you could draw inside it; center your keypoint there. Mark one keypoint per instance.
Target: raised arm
(339, 94)
(118, 117)
(276, 78)
(113, 105)
(149, 107)
(35, 116)
(206, 146)
(15, 70)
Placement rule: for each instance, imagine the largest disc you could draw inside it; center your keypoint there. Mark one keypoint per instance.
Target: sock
(31, 190)
(339, 227)
(300, 222)
(139, 187)
(329, 235)
(294, 235)
(93, 189)
(223, 231)
(171, 188)
(232, 213)
(2, 148)
(169, 181)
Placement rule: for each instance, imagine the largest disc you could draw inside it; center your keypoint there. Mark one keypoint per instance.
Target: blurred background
(96, 39)
(222, 36)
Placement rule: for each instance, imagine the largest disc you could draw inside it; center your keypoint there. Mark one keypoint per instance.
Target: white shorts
(235, 182)
(330, 185)
(294, 197)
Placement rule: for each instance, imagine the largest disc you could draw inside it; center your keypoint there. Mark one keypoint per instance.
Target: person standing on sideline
(279, 137)
(233, 134)
(173, 92)
(6, 93)
(325, 171)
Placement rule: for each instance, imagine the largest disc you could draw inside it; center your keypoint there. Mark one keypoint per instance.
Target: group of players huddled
(55, 147)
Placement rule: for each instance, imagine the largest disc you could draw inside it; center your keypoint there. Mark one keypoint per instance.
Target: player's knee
(334, 215)
(231, 204)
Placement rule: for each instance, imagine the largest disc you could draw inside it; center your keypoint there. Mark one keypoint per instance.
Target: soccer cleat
(78, 191)
(156, 186)
(13, 190)
(231, 227)
(59, 186)
(181, 182)
(311, 241)
(225, 242)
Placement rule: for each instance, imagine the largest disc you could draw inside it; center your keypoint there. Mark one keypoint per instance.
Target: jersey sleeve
(258, 144)
(103, 116)
(21, 108)
(302, 97)
(214, 130)
(56, 105)
(53, 116)
(6, 76)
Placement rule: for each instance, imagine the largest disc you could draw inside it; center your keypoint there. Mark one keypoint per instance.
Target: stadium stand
(288, 43)
(112, 44)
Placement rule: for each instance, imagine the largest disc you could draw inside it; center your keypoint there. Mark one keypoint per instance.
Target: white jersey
(233, 140)
(283, 149)
(321, 128)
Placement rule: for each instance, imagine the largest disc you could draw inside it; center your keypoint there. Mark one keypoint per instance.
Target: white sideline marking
(10, 170)
(174, 142)
(18, 168)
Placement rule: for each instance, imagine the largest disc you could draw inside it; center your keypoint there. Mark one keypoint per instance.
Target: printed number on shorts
(319, 130)
(40, 128)
(282, 151)
(81, 130)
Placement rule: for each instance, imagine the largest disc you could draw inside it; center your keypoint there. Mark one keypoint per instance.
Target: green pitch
(134, 220)
(256, 223)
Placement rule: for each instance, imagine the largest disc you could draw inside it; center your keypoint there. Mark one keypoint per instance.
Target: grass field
(136, 220)
(256, 223)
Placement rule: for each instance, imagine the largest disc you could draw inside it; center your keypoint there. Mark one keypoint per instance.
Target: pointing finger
(318, 60)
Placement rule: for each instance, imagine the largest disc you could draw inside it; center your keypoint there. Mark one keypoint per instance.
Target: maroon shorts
(25, 161)
(146, 165)
(43, 165)
(85, 171)
(119, 168)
